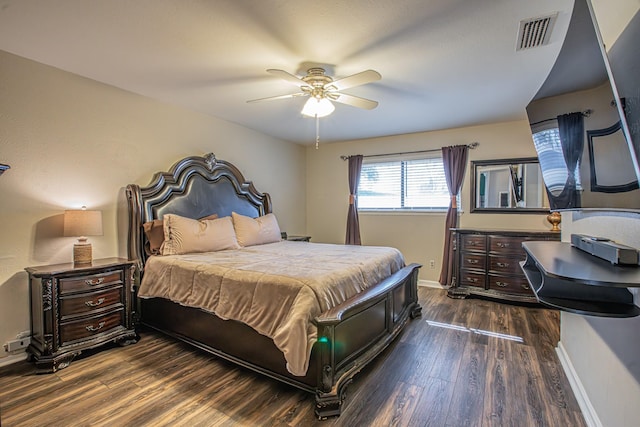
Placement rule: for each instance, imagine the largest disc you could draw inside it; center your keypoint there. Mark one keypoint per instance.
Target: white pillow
(185, 235)
(256, 231)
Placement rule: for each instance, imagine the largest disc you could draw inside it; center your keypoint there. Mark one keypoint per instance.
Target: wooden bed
(349, 335)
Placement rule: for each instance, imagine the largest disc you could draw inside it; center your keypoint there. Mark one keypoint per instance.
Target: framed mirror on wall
(508, 186)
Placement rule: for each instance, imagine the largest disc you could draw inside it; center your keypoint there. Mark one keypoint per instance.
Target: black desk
(569, 279)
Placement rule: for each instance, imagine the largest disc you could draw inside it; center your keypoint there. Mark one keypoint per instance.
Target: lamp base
(82, 254)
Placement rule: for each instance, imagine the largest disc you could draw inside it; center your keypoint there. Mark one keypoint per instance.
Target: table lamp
(81, 223)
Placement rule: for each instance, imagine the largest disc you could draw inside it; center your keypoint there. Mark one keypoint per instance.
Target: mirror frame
(595, 187)
(474, 169)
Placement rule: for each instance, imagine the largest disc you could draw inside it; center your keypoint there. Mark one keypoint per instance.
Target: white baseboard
(430, 284)
(14, 358)
(588, 411)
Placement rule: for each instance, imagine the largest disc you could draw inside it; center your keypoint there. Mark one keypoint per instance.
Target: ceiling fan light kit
(322, 89)
(315, 107)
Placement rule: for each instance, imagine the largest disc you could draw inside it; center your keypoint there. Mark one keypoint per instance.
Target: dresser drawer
(83, 303)
(87, 327)
(473, 242)
(471, 260)
(91, 282)
(471, 278)
(504, 265)
(506, 245)
(513, 284)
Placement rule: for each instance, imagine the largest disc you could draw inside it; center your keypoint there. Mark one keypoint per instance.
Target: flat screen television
(601, 86)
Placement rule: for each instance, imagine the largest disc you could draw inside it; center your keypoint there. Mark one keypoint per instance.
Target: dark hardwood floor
(464, 363)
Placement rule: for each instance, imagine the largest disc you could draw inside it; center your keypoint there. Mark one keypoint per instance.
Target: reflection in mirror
(508, 185)
(588, 170)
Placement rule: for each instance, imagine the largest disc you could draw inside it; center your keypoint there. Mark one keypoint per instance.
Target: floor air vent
(535, 32)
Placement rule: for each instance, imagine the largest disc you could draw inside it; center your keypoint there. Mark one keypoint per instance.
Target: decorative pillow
(185, 235)
(155, 236)
(154, 230)
(256, 231)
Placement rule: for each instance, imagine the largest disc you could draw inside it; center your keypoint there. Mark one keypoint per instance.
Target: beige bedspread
(277, 288)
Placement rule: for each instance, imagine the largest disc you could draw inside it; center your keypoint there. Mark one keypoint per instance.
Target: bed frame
(349, 335)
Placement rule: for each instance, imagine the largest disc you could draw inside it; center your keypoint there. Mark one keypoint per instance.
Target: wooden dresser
(74, 308)
(486, 263)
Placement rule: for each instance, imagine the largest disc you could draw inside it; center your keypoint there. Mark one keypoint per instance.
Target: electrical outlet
(432, 263)
(14, 345)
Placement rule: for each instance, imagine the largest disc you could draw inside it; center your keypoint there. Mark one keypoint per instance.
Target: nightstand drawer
(87, 327)
(90, 282)
(87, 302)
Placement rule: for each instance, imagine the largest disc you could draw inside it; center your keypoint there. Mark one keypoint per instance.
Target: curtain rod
(471, 146)
(585, 113)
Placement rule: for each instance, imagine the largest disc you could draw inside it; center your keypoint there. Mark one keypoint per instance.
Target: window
(552, 163)
(403, 184)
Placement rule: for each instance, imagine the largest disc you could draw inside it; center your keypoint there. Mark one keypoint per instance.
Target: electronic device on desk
(606, 249)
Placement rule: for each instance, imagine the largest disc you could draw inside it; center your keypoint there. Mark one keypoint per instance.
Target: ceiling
(444, 63)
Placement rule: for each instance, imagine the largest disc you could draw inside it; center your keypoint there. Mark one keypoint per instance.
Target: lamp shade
(82, 222)
(315, 107)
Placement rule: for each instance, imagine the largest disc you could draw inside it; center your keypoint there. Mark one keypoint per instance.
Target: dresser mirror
(508, 186)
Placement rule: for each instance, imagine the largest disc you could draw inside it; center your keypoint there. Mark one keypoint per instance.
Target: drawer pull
(94, 304)
(526, 287)
(502, 284)
(472, 261)
(472, 279)
(94, 281)
(91, 328)
(502, 264)
(502, 245)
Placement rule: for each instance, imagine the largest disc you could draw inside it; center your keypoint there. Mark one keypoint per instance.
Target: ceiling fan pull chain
(317, 131)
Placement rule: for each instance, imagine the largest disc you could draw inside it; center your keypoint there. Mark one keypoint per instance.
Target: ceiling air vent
(535, 32)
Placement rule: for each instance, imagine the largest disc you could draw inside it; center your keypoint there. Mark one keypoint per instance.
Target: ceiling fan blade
(287, 77)
(355, 80)
(354, 101)
(271, 98)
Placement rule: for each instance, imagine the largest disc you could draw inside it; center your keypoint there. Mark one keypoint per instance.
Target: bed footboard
(354, 333)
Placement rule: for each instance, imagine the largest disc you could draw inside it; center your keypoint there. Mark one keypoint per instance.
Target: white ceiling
(444, 63)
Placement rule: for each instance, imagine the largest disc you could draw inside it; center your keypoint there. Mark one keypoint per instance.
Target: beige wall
(604, 352)
(72, 141)
(419, 236)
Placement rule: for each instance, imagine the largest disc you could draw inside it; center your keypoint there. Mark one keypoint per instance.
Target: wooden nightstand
(299, 238)
(74, 308)
(292, 238)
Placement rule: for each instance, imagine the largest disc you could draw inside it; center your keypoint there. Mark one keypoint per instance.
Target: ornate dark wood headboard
(194, 187)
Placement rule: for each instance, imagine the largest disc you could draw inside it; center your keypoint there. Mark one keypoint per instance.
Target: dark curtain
(353, 224)
(571, 131)
(455, 164)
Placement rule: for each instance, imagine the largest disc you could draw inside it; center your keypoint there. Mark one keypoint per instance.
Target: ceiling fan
(322, 89)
